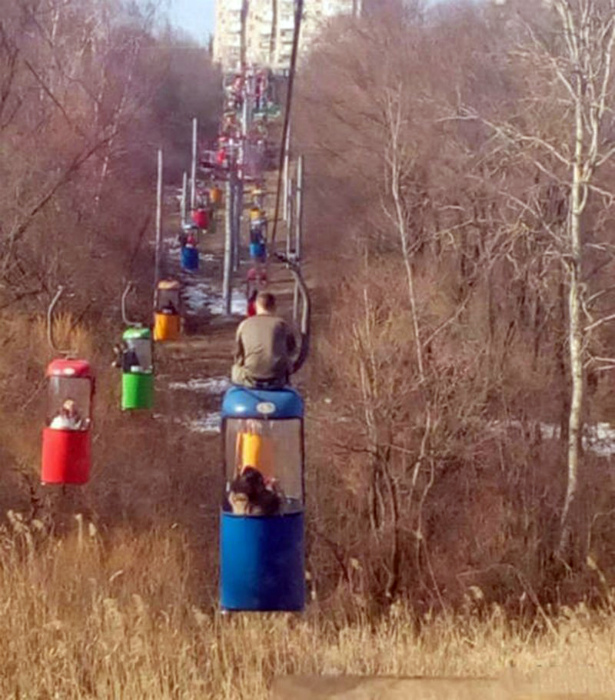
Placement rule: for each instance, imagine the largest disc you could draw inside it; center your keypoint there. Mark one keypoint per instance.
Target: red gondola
(255, 282)
(66, 453)
(201, 218)
(67, 435)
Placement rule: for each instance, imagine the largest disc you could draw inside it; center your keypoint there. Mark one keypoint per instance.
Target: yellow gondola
(167, 311)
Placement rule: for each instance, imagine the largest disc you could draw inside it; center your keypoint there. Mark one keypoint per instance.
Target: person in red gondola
(69, 417)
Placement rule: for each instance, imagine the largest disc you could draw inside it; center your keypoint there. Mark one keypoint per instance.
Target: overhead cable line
(289, 101)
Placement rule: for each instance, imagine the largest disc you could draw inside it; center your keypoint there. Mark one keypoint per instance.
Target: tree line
(461, 184)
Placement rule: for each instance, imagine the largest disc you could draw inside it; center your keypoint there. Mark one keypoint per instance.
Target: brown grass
(87, 616)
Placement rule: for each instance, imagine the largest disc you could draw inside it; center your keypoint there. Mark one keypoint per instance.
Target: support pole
(286, 174)
(295, 302)
(290, 224)
(246, 110)
(158, 269)
(195, 127)
(238, 210)
(184, 204)
(228, 244)
(299, 207)
(298, 215)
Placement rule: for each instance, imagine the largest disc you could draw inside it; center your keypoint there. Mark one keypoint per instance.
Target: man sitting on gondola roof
(265, 347)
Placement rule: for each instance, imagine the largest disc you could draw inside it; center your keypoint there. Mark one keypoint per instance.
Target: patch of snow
(239, 304)
(195, 297)
(200, 295)
(549, 431)
(211, 423)
(213, 385)
(598, 438)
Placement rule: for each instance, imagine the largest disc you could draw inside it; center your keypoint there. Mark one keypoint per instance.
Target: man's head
(265, 303)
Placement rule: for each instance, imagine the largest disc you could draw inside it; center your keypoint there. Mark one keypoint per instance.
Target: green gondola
(137, 370)
(135, 357)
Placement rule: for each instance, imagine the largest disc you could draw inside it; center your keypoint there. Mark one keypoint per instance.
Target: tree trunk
(575, 331)
(401, 223)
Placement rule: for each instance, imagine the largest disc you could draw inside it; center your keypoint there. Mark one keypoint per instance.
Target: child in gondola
(250, 494)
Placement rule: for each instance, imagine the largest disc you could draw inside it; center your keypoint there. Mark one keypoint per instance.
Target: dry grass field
(117, 616)
(125, 606)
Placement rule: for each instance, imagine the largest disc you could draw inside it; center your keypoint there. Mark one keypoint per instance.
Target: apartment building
(227, 37)
(261, 48)
(318, 12)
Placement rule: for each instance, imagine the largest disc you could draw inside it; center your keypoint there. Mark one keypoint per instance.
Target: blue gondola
(190, 258)
(262, 519)
(258, 251)
(258, 238)
(262, 554)
(188, 240)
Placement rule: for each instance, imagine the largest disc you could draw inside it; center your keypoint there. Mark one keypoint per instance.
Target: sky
(194, 16)
(198, 17)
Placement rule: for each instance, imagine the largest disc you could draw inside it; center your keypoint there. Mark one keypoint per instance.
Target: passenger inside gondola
(126, 358)
(68, 418)
(168, 307)
(251, 495)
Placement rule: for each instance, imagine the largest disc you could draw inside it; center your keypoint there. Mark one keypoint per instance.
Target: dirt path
(192, 375)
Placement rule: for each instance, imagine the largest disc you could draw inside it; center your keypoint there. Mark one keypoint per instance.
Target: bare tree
(571, 52)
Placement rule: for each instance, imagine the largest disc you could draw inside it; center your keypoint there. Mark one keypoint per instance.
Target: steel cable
(289, 100)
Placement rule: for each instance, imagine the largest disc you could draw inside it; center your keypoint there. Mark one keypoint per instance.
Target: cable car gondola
(66, 450)
(167, 311)
(215, 195)
(200, 218)
(255, 282)
(258, 199)
(190, 258)
(256, 213)
(258, 239)
(189, 252)
(137, 370)
(262, 518)
(136, 363)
